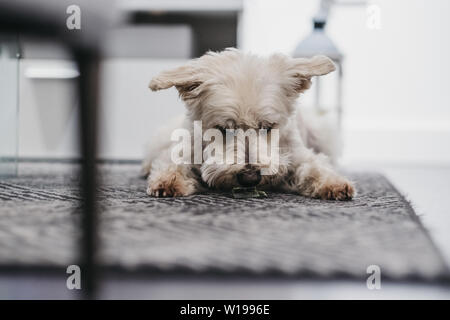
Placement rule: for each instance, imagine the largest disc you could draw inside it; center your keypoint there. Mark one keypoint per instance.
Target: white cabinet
(48, 113)
(130, 111)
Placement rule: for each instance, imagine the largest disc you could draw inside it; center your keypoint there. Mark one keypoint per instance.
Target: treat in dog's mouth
(248, 192)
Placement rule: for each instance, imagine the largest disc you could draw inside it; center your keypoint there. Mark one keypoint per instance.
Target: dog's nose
(249, 177)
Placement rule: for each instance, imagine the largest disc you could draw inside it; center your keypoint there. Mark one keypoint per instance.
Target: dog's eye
(191, 86)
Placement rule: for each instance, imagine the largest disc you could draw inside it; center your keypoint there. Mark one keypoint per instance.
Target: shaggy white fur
(231, 90)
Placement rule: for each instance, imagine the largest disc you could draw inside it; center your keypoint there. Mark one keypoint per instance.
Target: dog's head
(235, 90)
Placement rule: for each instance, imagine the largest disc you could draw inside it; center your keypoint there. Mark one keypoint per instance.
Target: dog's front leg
(167, 179)
(172, 181)
(314, 176)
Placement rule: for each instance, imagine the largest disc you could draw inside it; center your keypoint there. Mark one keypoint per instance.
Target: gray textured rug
(283, 234)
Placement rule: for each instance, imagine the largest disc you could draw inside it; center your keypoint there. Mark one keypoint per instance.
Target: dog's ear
(186, 79)
(301, 71)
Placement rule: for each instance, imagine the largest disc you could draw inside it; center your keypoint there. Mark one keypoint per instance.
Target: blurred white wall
(396, 97)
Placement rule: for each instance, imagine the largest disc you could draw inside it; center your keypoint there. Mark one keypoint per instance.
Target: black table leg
(88, 64)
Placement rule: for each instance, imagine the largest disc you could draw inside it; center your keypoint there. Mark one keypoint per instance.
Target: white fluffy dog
(231, 90)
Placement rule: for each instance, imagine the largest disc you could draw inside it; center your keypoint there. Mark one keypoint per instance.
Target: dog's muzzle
(250, 176)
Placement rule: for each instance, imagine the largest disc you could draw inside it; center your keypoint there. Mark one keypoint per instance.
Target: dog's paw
(170, 185)
(336, 189)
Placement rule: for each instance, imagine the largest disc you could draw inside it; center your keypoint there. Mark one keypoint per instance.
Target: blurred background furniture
(152, 36)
